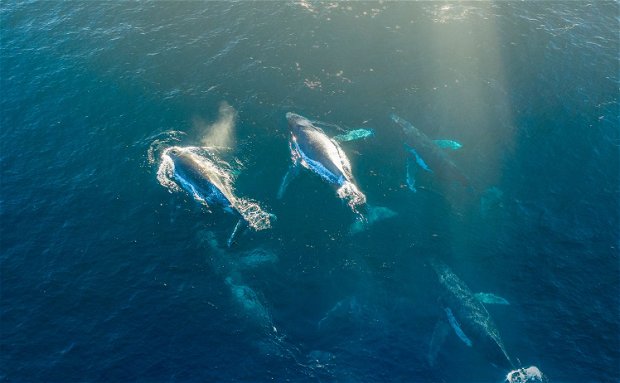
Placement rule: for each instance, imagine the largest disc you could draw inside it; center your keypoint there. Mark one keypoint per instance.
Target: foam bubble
(526, 375)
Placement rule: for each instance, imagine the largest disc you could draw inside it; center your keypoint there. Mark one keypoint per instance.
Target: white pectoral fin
(291, 173)
(241, 223)
(410, 172)
(448, 144)
(457, 327)
(491, 299)
(353, 135)
(440, 333)
(418, 159)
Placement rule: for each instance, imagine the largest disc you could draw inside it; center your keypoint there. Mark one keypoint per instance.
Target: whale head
(173, 152)
(297, 122)
(180, 157)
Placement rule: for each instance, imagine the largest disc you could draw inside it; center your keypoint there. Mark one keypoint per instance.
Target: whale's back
(198, 174)
(319, 149)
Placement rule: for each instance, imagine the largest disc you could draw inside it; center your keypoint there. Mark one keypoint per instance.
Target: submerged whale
(312, 149)
(467, 316)
(429, 155)
(210, 183)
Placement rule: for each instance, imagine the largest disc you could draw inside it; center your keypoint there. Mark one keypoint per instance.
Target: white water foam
(526, 375)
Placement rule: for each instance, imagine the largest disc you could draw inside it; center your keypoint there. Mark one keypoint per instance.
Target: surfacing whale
(312, 149)
(469, 319)
(209, 181)
(430, 156)
(472, 323)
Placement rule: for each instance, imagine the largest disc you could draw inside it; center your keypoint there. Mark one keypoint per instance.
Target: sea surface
(108, 276)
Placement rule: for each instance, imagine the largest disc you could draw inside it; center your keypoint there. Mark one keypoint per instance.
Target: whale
(313, 150)
(209, 182)
(467, 316)
(429, 155)
(201, 177)
(249, 301)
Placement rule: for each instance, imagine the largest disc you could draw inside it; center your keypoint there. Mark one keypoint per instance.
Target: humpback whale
(429, 155)
(209, 182)
(312, 149)
(469, 319)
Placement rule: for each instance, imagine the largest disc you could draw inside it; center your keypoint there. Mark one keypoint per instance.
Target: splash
(165, 174)
(253, 214)
(308, 6)
(160, 142)
(526, 375)
(352, 195)
(221, 132)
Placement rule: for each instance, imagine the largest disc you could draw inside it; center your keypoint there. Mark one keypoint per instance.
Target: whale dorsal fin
(490, 299)
(524, 375)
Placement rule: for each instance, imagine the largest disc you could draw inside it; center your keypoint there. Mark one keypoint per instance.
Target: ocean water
(106, 276)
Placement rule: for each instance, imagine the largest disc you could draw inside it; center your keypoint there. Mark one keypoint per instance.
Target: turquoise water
(108, 276)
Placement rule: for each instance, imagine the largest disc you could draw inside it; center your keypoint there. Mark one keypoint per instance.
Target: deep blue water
(107, 276)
